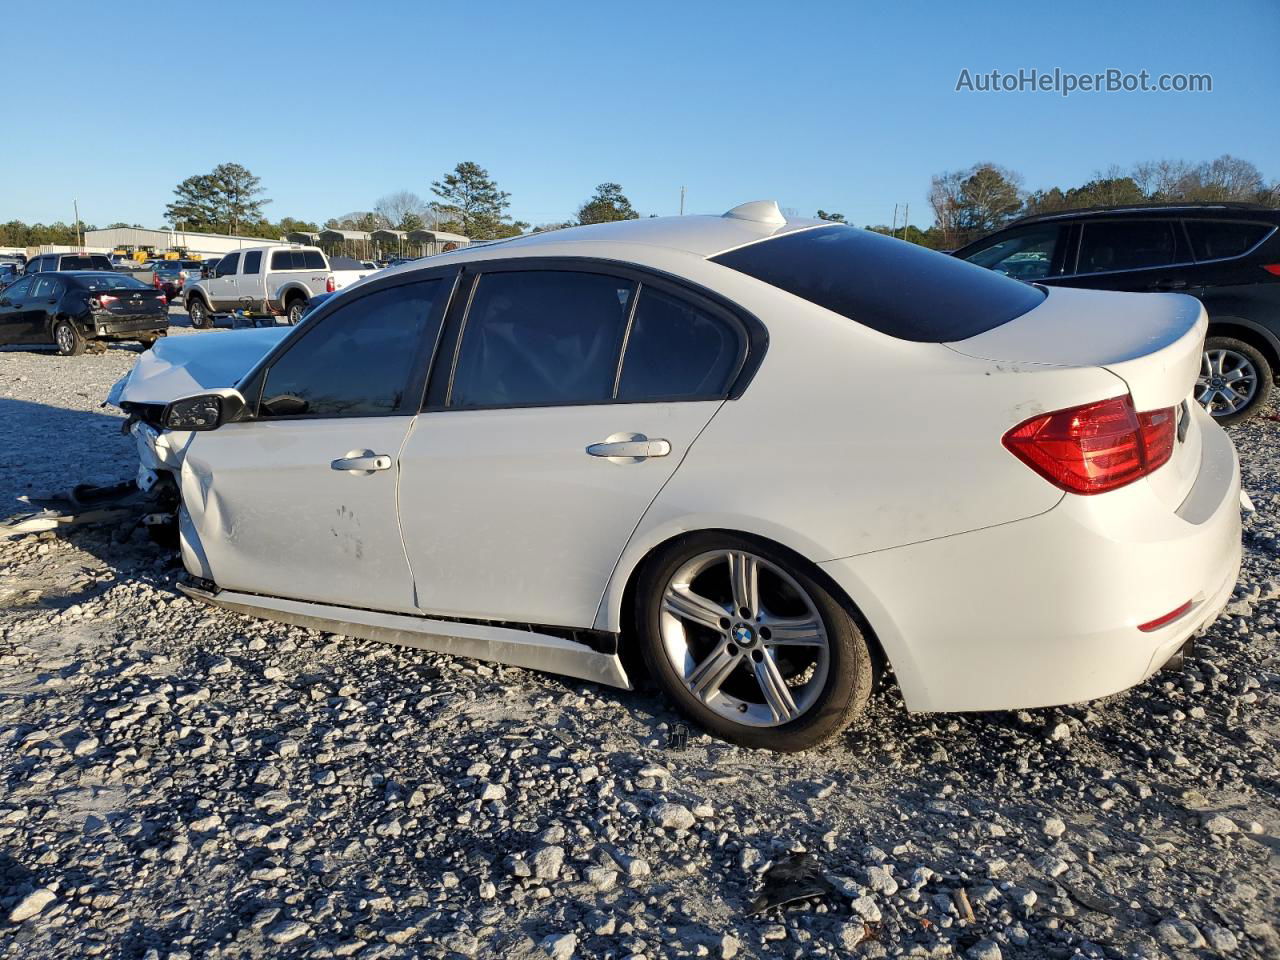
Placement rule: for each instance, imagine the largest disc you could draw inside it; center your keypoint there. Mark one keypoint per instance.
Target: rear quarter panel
(849, 441)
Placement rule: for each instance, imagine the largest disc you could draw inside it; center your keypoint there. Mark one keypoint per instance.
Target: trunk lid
(1151, 341)
(130, 302)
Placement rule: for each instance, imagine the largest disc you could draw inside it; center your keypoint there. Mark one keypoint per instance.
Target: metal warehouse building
(207, 244)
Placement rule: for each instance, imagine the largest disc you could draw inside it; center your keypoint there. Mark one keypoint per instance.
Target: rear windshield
(84, 263)
(109, 281)
(892, 286)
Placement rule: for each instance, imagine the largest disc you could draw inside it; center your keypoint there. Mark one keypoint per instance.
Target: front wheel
(1235, 380)
(749, 645)
(198, 313)
(68, 339)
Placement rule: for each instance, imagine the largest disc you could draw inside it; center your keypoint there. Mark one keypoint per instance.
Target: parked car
(1226, 255)
(768, 454)
(74, 309)
(207, 266)
(47, 262)
(347, 271)
(267, 281)
(172, 276)
(9, 272)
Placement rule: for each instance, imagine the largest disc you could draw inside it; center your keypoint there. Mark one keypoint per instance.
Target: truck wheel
(198, 313)
(296, 308)
(68, 339)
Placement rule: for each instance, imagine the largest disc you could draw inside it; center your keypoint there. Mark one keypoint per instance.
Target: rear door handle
(629, 448)
(362, 461)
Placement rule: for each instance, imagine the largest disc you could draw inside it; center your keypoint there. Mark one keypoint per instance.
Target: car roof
(701, 235)
(1246, 211)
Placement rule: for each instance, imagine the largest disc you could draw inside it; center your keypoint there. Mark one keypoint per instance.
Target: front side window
(358, 360)
(1127, 245)
(677, 352)
(892, 286)
(252, 261)
(17, 290)
(541, 337)
(227, 265)
(1221, 239)
(1024, 254)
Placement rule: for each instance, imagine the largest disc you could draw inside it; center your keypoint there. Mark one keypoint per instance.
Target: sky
(843, 106)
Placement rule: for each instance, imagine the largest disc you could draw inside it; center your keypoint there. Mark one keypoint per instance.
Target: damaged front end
(175, 367)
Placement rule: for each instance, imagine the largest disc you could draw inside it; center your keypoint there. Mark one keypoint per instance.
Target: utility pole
(906, 211)
(893, 230)
(79, 237)
(682, 201)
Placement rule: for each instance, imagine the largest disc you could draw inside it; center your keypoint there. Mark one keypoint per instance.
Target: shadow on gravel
(53, 448)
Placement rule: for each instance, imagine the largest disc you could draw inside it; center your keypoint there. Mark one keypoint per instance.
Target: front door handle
(362, 462)
(629, 448)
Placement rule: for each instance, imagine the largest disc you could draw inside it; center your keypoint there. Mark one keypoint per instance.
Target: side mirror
(204, 411)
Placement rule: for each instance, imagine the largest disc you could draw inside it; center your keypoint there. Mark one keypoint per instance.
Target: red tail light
(1272, 268)
(164, 301)
(155, 281)
(106, 300)
(1095, 447)
(329, 285)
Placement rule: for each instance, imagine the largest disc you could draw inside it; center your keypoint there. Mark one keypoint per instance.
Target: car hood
(180, 366)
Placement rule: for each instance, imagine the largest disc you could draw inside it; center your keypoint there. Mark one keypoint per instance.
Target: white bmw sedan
(769, 455)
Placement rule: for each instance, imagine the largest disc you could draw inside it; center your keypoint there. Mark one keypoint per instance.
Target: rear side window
(285, 260)
(677, 352)
(46, 287)
(541, 337)
(1127, 245)
(252, 261)
(312, 260)
(358, 360)
(1219, 239)
(227, 265)
(891, 286)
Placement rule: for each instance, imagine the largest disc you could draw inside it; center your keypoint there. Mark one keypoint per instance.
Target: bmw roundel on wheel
(766, 455)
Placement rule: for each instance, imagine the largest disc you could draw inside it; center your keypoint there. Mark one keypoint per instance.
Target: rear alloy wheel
(198, 313)
(68, 339)
(749, 645)
(297, 307)
(1235, 380)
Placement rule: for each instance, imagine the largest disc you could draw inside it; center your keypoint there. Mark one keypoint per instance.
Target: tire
(68, 339)
(199, 313)
(1222, 396)
(294, 310)
(695, 574)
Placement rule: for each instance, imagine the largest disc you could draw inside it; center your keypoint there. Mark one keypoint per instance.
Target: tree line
(965, 203)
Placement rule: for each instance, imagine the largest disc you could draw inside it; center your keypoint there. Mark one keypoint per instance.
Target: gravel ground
(182, 782)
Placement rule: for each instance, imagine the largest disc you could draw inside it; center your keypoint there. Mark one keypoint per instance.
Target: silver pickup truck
(270, 281)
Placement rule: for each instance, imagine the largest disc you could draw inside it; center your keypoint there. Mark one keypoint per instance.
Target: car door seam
(404, 545)
(649, 506)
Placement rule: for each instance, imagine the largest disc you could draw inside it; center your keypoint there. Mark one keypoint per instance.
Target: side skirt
(517, 648)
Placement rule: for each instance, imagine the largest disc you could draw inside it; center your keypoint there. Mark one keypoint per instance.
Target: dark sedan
(173, 275)
(73, 309)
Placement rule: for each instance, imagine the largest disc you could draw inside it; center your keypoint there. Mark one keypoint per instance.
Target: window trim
(753, 335)
(252, 384)
(1186, 239)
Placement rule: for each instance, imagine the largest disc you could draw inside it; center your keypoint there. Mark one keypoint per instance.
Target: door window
(17, 291)
(1127, 245)
(227, 265)
(1220, 239)
(1024, 254)
(357, 361)
(252, 261)
(541, 338)
(45, 287)
(677, 352)
(312, 260)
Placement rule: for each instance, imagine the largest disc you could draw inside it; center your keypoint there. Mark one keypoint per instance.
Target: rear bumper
(125, 328)
(1045, 611)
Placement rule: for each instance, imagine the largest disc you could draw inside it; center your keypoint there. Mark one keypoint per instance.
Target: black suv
(1226, 254)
